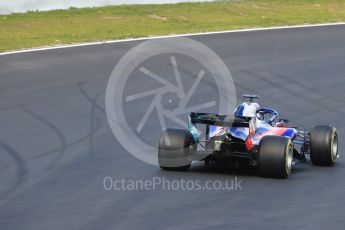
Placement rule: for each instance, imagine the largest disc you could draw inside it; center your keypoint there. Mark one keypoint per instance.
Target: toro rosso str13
(251, 135)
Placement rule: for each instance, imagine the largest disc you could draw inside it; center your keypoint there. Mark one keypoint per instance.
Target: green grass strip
(35, 29)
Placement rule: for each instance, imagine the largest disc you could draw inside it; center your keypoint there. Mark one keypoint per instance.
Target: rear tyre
(173, 150)
(181, 168)
(323, 145)
(275, 157)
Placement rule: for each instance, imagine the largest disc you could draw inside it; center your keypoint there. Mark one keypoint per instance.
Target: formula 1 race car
(250, 136)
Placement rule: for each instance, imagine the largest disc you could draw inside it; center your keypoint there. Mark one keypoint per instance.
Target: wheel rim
(334, 147)
(289, 158)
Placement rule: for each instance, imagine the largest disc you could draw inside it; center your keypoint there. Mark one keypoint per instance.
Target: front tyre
(323, 145)
(275, 157)
(173, 150)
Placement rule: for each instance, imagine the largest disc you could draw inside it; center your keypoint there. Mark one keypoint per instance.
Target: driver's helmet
(247, 109)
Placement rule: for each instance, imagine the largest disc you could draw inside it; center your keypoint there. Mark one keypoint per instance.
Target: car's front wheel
(323, 145)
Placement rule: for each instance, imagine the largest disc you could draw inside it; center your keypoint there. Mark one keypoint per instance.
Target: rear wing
(219, 120)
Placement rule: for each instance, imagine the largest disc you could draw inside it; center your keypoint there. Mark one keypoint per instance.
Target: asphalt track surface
(56, 146)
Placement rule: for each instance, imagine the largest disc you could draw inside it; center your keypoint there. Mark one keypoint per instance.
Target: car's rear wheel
(323, 145)
(173, 150)
(275, 157)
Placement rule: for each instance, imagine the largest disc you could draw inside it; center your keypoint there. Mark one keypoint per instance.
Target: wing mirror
(282, 120)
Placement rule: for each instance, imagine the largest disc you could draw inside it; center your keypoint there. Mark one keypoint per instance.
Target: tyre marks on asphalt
(54, 128)
(22, 171)
(23, 165)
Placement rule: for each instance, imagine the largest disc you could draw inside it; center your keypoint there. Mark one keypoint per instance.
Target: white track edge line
(168, 36)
